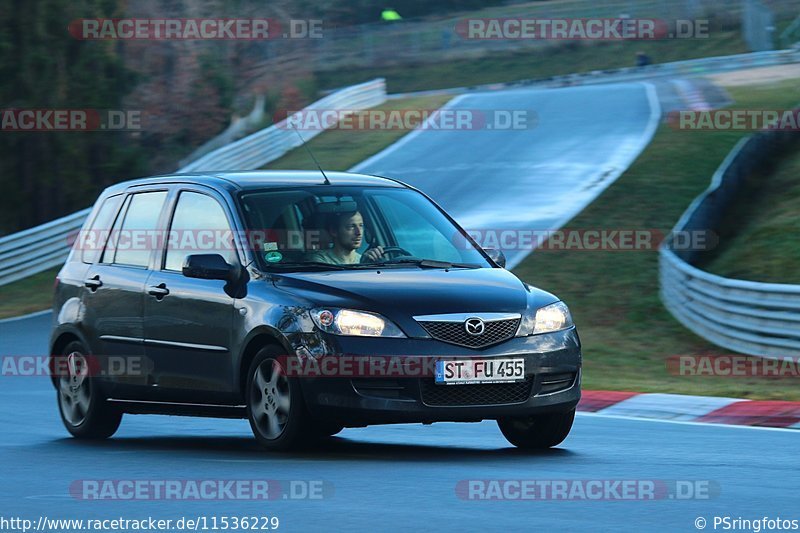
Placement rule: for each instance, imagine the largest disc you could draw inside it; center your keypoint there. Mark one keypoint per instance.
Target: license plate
(479, 371)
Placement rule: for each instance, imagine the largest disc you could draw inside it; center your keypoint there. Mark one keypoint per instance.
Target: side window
(199, 226)
(138, 229)
(93, 239)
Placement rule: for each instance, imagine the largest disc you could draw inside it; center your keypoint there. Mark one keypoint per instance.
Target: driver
(347, 232)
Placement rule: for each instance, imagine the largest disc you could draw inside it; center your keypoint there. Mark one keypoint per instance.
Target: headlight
(354, 323)
(554, 317)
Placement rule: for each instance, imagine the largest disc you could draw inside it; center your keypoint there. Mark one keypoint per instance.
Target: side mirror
(497, 256)
(208, 266)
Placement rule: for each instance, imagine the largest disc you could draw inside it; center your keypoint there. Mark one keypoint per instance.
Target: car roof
(234, 181)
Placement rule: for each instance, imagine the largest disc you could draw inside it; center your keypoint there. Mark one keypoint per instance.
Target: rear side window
(94, 238)
(133, 242)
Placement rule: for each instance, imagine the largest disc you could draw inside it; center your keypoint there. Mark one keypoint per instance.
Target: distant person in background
(642, 59)
(390, 15)
(446, 34)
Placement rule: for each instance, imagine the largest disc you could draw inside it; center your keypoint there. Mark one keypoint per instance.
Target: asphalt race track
(406, 476)
(536, 176)
(378, 477)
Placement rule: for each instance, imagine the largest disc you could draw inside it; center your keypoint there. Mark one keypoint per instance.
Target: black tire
(537, 432)
(84, 409)
(276, 409)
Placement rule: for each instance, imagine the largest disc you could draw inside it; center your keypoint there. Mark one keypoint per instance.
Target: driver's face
(350, 232)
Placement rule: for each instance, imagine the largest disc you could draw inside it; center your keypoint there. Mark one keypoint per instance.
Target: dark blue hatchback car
(305, 303)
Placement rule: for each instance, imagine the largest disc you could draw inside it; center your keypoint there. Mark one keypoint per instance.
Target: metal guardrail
(269, 144)
(675, 69)
(238, 128)
(745, 316)
(37, 249)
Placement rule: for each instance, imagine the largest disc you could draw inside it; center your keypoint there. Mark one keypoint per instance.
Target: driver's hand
(373, 254)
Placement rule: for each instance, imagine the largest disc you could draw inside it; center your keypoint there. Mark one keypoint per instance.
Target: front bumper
(553, 372)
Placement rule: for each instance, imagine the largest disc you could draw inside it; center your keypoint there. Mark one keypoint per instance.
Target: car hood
(400, 294)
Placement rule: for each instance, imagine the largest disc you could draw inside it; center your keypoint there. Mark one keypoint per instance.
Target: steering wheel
(395, 251)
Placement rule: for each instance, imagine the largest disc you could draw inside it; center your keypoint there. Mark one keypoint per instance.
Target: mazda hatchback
(305, 303)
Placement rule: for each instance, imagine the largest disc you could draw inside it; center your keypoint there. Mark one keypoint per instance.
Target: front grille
(460, 395)
(495, 332)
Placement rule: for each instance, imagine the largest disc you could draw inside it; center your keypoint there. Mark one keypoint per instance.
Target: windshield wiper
(424, 263)
(319, 265)
(315, 265)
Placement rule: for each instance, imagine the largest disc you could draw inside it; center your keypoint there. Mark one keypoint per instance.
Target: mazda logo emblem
(474, 326)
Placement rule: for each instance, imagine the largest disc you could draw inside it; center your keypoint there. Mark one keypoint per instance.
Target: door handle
(159, 291)
(93, 283)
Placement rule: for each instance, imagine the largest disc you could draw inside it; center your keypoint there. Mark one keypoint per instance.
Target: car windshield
(333, 228)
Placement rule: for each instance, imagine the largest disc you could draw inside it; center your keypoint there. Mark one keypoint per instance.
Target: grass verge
(760, 242)
(28, 295)
(627, 333)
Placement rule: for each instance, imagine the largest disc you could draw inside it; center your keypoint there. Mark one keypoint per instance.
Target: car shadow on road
(236, 448)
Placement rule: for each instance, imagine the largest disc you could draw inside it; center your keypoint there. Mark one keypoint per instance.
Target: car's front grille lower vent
(464, 395)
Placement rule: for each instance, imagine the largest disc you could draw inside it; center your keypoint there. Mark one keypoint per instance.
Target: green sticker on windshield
(273, 257)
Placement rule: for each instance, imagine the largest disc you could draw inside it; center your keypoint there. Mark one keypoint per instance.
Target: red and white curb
(691, 95)
(683, 408)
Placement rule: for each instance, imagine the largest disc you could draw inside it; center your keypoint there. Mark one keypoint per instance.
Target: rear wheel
(84, 410)
(537, 432)
(275, 406)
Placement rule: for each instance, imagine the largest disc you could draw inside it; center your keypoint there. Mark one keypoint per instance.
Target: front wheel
(537, 432)
(275, 406)
(84, 410)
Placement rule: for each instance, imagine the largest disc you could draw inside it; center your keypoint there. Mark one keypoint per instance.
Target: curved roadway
(569, 146)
